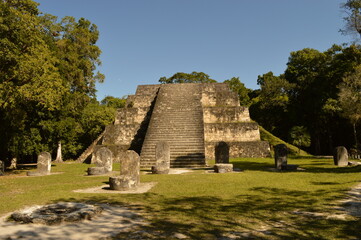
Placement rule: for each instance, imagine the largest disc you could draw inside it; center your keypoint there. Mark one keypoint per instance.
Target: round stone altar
(56, 213)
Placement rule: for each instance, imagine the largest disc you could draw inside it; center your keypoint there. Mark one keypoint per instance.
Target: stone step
(177, 119)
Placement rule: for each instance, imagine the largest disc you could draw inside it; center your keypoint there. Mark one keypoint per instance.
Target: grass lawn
(255, 203)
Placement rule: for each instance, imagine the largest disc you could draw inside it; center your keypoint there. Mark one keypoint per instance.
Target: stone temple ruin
(191, 117)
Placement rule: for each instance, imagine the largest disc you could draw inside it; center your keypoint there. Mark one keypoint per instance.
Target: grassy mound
(273, 140)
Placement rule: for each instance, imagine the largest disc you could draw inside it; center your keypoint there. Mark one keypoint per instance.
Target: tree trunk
(59, 157)
(355, 135)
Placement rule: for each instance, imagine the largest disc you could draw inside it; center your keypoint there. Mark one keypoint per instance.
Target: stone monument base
(122, 183)
(223, 167)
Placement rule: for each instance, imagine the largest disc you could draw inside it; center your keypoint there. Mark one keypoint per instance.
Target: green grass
(273, 141)
(207, 205)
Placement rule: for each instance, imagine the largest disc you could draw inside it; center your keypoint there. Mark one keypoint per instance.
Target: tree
(300, 137)
(30, 84)
(194, 77)
(269, 105)
(353, 19)
(238, 87)
(350, 99)
(47, 80)
(114, 102)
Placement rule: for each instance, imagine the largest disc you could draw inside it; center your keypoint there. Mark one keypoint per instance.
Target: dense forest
(47, 83)
(48, 71)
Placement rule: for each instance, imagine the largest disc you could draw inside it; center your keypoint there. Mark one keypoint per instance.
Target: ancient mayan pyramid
(191, 117)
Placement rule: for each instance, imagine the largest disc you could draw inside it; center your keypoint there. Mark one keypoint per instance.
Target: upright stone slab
(43, 166)
(162, 158)
(340, 156)
(103, 158)
(222, 152)
(223, 167)
(44, 163)
(129, 173)
(13, 164)
(2, 168)
(281, 152)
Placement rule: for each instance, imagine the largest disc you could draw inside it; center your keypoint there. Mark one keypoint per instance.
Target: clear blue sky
(143, 40)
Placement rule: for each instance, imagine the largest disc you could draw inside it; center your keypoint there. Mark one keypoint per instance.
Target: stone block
(281, 152)
(223, 167)
(162, 158)
(97, 171)
(122, 183)
(340, 156)
(232, 132)
(241, 149)
(225, 114)
(43, 165)
(129, 173)
(2, 168)
(104, 158)
(13, 164)
(222, 152)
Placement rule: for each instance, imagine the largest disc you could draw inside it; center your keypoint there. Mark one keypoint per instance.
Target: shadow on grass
(268, 214)
(314, 166)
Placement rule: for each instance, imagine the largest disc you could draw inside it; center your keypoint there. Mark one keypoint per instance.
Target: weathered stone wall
(225, 114)
(131, 122)
(231, 132)
(117, 150)
(139, 101)
(241, 149)
(225, 120)
(218, 94)
(148, 89)
(120, 134)
(130, 115)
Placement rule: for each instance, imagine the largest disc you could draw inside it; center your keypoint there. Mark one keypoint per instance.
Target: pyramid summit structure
(191, 117)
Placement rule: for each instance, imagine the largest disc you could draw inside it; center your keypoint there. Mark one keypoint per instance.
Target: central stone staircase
(177, 119)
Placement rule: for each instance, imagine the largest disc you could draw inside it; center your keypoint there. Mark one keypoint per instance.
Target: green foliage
(273, 141)
(269, 105)
(114, 102)
(350, 95)
(47, 80)
(353, 18)
(238, 87)
(307, 94)
(300, 136)
(194, 77)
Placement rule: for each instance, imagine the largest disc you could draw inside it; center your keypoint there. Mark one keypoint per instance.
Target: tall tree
(350, 99)
(194, 77)
(238, 87)
(30, 84)
(47, 81)
(353, 19)
(269, 107)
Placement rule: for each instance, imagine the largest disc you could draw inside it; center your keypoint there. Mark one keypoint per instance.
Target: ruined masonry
(191, 117)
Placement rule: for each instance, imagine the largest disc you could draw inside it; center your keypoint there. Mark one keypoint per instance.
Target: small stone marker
(340, 156)
(43, 165)
(13, 164)
(222, 152)
(281, 152)
(162, 158)
(103, 160)
(223, 167)
(129, 173)
(2, 168)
